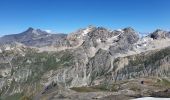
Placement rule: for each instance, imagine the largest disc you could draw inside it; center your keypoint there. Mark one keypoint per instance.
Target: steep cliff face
(125, 41)
(160, 34)
(88, 57)
(152, 63)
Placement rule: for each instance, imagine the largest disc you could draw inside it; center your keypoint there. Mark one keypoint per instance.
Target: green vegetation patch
(37, 64)
(16, 96)
(163, 83)
(97, 88)
(84, 89)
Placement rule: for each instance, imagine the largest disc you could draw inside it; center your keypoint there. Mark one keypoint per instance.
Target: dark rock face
(100, 32)
(99, 65)
(130, 36)
(160, 34)
(162, 94)
(125, 41)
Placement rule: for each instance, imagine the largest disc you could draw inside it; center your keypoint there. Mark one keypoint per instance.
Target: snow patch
(120, 30)
(7, 48)
(48, 35)
(35, 32)
(151, 98)
(85, 31)
(144, 42)
(48, 31)
(98, 40)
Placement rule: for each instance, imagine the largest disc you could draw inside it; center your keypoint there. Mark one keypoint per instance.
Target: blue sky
(69, 15)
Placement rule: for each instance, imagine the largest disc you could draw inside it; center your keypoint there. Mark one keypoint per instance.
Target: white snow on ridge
(147, 43)
(35, 32)
(143, 42)
(48, 31)
(85, 31)
(7, 48)
(151, 98)
(120, 30)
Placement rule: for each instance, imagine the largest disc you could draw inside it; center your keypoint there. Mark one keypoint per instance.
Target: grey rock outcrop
(125, 41)
(160, 34)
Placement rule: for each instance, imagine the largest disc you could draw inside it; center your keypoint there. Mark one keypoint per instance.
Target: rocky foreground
(91, 63)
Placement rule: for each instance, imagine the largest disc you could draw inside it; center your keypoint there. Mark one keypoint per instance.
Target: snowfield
(151, 98)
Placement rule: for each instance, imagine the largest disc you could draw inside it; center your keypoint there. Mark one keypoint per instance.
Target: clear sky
(69, 15)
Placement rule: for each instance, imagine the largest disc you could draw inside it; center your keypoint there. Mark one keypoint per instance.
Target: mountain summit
(33, 37)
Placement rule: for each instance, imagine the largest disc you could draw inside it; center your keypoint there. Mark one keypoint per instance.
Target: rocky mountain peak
(129, 30)
(91, 27)
(129, 35)
(32, 31)
(159, 34)
(100, 32)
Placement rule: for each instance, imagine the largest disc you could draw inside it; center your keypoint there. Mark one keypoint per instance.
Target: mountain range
(90, 63)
